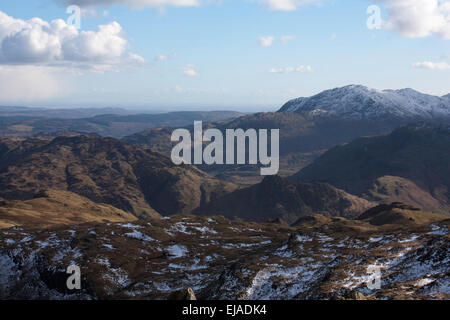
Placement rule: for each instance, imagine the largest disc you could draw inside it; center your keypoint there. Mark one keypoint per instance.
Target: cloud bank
(432, 65)
(418, 18)
(135, 4)
(38, 58)
(301, 69)
(38, 42)
(287, 5)
(266, 41)
(190, 71)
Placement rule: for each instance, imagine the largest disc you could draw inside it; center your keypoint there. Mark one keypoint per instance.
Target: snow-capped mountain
(447, 97)
(359, 102)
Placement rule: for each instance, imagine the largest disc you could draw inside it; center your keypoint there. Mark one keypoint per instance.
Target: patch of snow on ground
(324, 238)
(130, 226)
(303, 238)
(177, 251)
(423, 282)
(411, 239)
(108, 246)
(376, 239)
(139, 236)
(276, 282)
(180, 227)
(27, 239)
(205, 230)
(438, 231)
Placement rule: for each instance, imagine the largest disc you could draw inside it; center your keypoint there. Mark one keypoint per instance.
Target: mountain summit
(360, 102)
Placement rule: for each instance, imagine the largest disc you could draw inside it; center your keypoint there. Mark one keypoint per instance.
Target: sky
(246, 55)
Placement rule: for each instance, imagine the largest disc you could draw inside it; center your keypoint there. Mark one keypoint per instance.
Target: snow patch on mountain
(359, 102)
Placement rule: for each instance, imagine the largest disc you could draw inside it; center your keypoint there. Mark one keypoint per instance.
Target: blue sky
(211, 57)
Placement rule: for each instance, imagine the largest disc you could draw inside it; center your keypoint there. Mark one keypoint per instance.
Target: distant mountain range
(359, 102)
(310, 126)
(60, 113)
(53, 123)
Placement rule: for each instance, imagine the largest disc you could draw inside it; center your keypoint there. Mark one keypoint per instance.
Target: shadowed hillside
(302, 139)
(276, 197)
(104, 170)
(411, 165)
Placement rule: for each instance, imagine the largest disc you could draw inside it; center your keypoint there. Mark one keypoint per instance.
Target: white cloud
(286, 39)
(165, 57)
(38, 42)
(432, 65)
(283, 5)
(418, 18)
(301, 69)
(266, 41)
(161, 57)
(190, 71)
(133, 57)
(38, 58)
(135, 4)
(287, 5)
(89, 13)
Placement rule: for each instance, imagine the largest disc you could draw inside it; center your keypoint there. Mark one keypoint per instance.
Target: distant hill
(302, 139)
(310, 126)
(278, 198)
(410, 165)
(104, 170)
(114, 125)
(61, 113)
(359, 102)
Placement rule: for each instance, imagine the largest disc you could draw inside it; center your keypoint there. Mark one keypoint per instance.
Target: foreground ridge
(220, 259)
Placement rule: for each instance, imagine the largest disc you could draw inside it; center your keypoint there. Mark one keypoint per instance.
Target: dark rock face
(105, 170)
(184, 294)
(276, 197)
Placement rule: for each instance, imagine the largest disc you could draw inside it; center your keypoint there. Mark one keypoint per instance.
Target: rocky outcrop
(184, 294)
(226, 260)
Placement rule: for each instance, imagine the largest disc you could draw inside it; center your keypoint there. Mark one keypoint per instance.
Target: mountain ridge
(104, 170)
(360, 102)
